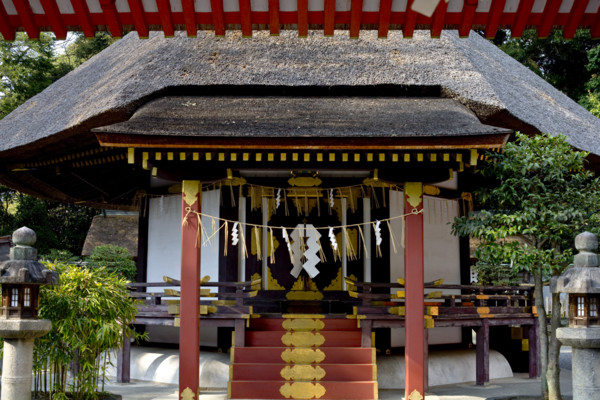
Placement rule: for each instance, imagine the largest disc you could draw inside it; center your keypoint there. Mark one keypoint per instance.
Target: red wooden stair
(303, 357)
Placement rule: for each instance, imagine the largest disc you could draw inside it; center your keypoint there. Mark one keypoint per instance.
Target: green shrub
(91, 311)
(115, 258)
(59, 255)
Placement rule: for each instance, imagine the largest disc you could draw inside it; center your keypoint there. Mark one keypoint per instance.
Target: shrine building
(313, 180)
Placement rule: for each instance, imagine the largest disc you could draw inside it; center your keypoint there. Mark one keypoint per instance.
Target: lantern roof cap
(23, 266)
(584, 276)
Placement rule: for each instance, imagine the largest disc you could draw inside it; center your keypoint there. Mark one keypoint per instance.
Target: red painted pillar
(189, 328)
(414, 292)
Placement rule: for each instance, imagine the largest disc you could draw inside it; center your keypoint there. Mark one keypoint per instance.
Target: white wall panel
(164, 252)
(441, 258)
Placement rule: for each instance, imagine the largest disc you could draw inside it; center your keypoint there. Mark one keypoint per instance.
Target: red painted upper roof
(119, 16)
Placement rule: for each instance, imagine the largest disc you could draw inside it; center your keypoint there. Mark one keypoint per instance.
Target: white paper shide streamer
(278, 199)
(334, 243)
(311, 250)
(234, 234)
(287, 242)
(378, 238)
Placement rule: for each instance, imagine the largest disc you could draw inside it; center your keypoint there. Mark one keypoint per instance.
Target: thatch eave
(109, 87)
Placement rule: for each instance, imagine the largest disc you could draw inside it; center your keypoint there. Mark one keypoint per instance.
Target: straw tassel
(258, 244)
(272, 249)
(350, 251)
(243, 239)
(364, 242)
(392, 238)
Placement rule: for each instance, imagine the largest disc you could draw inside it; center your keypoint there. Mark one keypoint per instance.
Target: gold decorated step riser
(303, 390)
(329, 355)
(304, 372)
(303, 322)
(303, 339)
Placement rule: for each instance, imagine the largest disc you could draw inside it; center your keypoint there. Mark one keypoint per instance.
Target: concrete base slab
(519, 386)
(445, 367)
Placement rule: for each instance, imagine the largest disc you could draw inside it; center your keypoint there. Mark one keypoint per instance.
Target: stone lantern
(582, 283)
(21, 277)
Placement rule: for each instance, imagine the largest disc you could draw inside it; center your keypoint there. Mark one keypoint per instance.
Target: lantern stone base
(17, 363)
(586, 360)
(583, 337)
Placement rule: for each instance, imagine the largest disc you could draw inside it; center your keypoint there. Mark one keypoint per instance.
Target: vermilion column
(414, 289)
(189, 328)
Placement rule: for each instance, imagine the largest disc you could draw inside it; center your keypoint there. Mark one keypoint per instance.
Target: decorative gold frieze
(302, 339)
(272, 283)
(256, 281)
(301, 285)
(414, 193)
(483, 310)
(304, 295)
(431, 190)
(188, 394)
(302, 373)
(415, 395)
(305, 181)
(336, 283)
(398, 310)
(302, 390)
(303, 356)
(305, 325)
(191, 190)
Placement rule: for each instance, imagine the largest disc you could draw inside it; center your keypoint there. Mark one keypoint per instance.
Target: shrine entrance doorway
(307, 254)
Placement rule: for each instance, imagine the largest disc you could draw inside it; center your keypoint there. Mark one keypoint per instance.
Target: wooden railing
(161, 307)
(466, 302)
(374, 305)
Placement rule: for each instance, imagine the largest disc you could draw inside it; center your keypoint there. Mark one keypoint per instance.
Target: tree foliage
(57, 225)
(559, 61)
(91, 311)
(26, 68)
(542, 196)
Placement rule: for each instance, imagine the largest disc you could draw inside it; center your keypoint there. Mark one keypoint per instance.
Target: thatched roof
(118, 230)
(111, 86)
(280, 116)
(48, 147)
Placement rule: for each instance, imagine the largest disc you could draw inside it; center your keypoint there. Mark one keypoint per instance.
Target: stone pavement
(518, 387)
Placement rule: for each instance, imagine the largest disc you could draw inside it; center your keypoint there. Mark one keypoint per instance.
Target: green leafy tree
(29, 66)
(82, 48)
(559, 61)
(57, 225)
(591, 100)
(543, 196)
(26, 68)
(7, 210)
(33, 213)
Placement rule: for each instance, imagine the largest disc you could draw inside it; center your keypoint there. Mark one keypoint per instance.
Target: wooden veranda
(478, 307)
